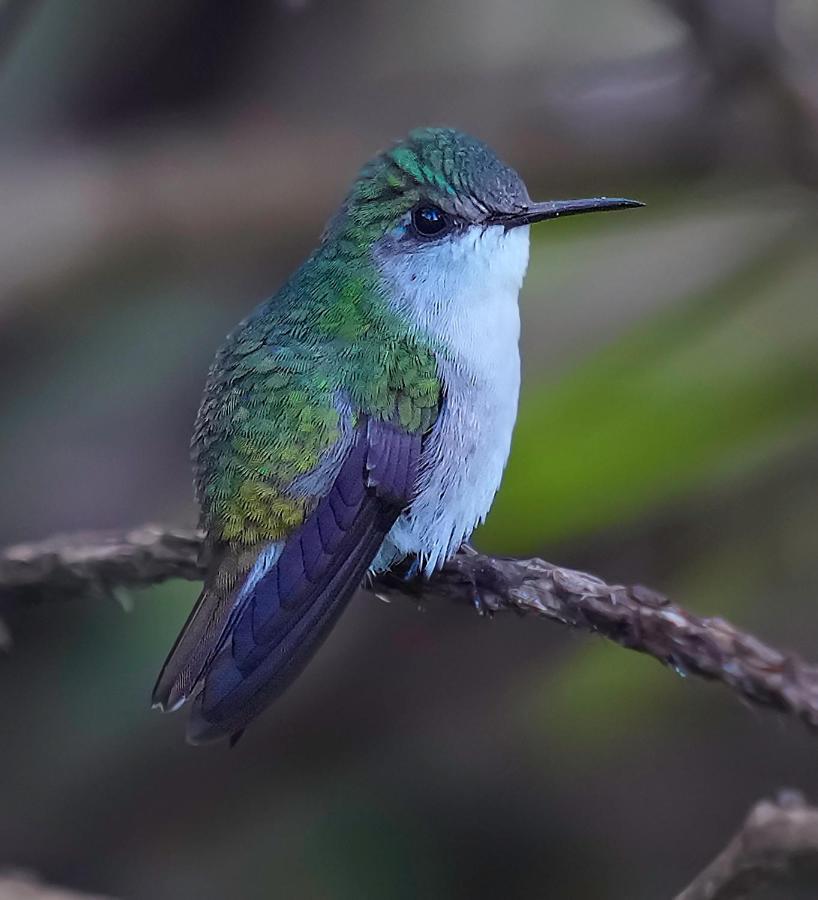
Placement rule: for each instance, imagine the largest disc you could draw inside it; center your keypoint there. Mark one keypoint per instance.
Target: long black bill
(554, 209)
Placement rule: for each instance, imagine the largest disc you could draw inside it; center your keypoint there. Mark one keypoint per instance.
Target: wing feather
(292, 607)
(299, 477)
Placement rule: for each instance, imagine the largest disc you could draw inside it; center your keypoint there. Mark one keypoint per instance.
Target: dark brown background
(163, 166)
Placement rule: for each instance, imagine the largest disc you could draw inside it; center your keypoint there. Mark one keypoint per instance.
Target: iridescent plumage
(361, 415)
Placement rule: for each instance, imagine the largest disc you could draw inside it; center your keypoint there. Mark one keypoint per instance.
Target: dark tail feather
(203, 632)
(187, 656)
(247, 675)
(284, 617)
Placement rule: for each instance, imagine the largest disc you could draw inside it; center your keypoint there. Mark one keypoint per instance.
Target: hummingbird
(360, 418)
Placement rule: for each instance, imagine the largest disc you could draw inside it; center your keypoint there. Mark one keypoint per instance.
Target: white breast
(462, 294)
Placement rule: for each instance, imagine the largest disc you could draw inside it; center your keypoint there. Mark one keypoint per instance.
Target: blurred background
(163, 167)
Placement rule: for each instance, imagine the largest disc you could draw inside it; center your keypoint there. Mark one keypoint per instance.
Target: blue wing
(284, 615)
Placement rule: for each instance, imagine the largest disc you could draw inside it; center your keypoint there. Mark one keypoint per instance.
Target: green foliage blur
(164, 166)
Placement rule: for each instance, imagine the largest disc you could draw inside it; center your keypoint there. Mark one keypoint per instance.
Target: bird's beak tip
(555, 209)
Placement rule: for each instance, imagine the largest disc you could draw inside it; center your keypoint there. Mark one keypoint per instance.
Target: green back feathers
(329, 346)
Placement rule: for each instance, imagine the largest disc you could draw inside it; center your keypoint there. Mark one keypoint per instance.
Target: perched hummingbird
(360, 417)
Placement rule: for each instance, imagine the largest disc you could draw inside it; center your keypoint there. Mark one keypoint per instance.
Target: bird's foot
(479, 599)
(479, 602)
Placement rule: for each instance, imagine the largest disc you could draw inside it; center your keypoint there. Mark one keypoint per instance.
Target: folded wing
(285, 614)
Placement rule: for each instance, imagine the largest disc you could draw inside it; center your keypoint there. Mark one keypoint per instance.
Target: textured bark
(103, 563)
(779, 838)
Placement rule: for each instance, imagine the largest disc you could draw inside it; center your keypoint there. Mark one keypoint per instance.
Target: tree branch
(777, 838)
(98, 562)
(25, 886)
(102, 563)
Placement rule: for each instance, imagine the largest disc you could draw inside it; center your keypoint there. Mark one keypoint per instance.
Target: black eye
(429, 221)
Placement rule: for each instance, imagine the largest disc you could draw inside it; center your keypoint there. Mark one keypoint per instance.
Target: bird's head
(437, 185)
(444, 218)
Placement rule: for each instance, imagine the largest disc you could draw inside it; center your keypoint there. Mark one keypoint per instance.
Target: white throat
(462, 294)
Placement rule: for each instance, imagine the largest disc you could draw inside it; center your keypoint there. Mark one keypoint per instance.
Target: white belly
(478, 324)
